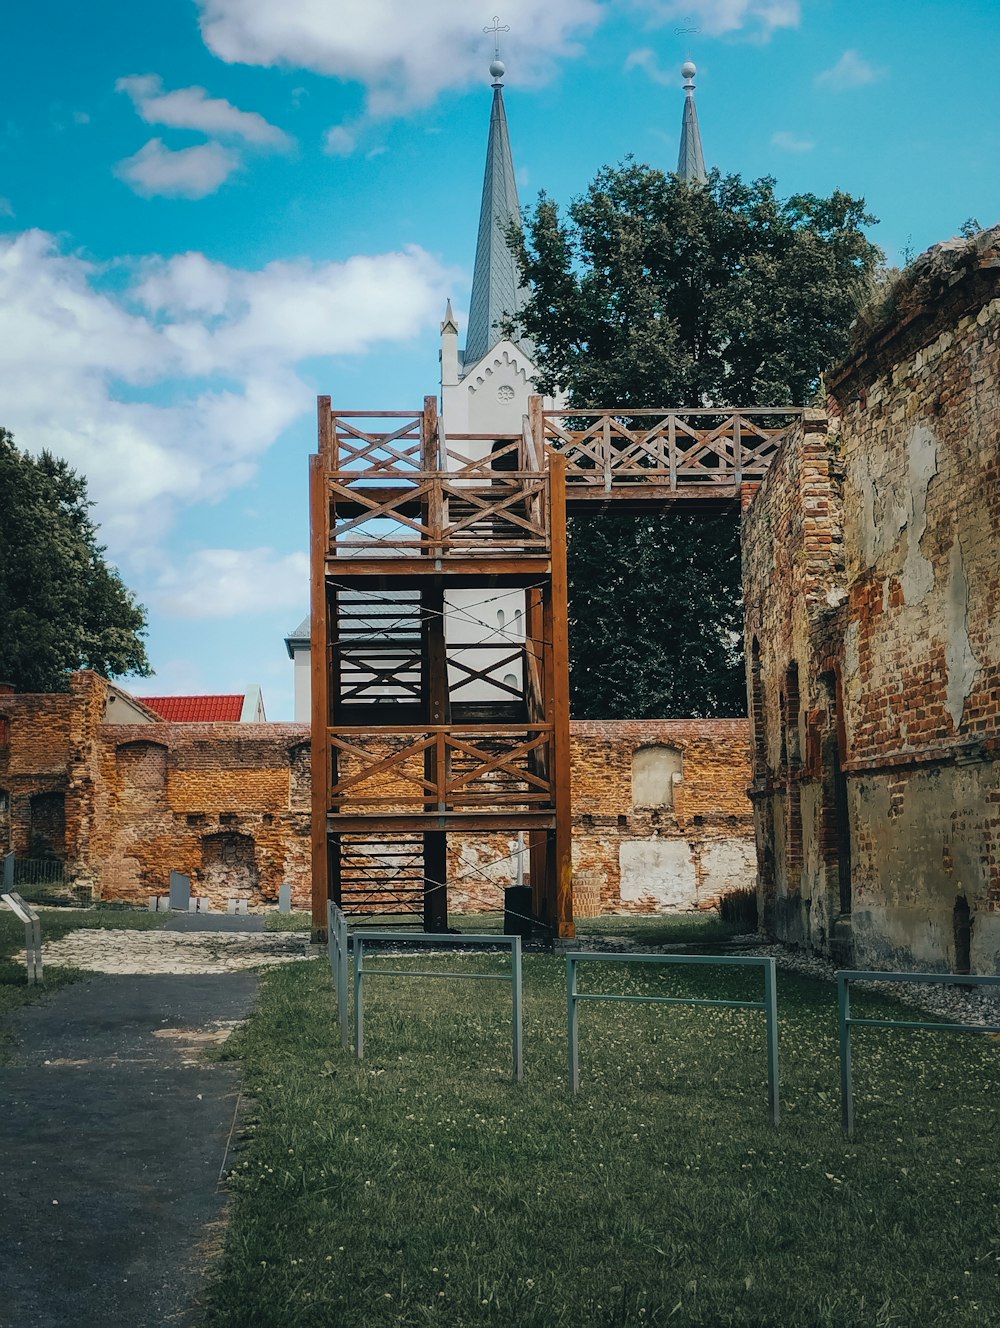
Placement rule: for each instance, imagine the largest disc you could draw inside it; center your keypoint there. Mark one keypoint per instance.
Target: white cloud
(645, 59)
(166, 393)
(789, 142)
(228, 583)
(158, 171)
(716, 18)
(339, 141)
(193, 108)
(6, 207)
(850, 71)
(404, 53)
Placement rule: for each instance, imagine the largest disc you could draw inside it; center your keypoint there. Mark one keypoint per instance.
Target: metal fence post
(771, 1014)
(571, 1024)
(342, 980)
(844, 1029)
(331, 945)
(359, 1016)
(515, 982)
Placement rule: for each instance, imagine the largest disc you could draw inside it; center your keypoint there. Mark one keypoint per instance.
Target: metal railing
(428, 940)
(846, 1021)
(338, 950)
(769, 1004)
(32, 935)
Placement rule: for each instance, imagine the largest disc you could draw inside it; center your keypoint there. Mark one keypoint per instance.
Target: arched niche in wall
(655, 769)
(47, 830)
(299, 776)
(142, 764)
(4, 821)
(229, 864)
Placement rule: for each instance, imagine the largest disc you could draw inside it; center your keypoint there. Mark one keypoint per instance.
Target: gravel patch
(122, 951)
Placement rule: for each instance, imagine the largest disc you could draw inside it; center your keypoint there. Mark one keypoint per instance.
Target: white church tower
(485, 387)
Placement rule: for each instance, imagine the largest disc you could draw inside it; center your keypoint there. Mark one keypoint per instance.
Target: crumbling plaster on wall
(915, 646)
(959, 656)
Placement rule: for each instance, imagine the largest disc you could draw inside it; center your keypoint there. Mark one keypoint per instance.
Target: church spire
(690, 159)
(495, 287)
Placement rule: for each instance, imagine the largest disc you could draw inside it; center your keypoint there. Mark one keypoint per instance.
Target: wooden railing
(666, 449)
(437, 767)
(397, 487)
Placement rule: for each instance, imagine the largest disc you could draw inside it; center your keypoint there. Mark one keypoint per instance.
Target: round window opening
(505, 393)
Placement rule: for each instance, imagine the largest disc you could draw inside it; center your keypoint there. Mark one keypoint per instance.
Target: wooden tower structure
(403, 518)
(404, 522)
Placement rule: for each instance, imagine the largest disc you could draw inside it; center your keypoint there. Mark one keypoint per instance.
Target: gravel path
(161, 951)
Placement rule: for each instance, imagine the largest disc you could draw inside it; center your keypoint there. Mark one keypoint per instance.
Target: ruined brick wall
(877, 802)
(47, 745)
(227, 804)
(632, 851)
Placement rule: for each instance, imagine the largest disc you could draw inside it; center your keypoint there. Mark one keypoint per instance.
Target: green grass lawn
(666, 929)
(56, 923)
(423, 1187)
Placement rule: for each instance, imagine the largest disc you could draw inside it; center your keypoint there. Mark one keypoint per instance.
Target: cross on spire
(496, 29)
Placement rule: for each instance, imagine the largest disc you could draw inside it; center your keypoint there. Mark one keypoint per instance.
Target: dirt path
(114, 1129)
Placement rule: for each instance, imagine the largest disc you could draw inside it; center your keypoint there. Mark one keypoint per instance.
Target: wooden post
(561, 868)
(437, 711)
(536, 424)
(319, 537)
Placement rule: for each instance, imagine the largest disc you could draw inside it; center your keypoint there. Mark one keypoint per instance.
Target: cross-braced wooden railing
(397, 487)
(669, 449)
(438, 767)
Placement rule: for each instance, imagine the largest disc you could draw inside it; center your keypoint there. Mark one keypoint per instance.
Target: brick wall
(228, 805)
(871, 570)
(656, 858)
(221, 802)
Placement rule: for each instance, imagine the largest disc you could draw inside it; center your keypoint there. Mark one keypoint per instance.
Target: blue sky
(212, 210)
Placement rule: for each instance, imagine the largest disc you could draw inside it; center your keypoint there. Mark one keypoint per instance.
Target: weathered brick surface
(228, 804)
(651, 859)
(872, 579)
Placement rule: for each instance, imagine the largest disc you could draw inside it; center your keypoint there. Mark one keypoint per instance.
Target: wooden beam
(319, 673)
(561, 869)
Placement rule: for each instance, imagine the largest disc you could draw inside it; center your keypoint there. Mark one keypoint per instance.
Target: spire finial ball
(688, 69)
(498, 69)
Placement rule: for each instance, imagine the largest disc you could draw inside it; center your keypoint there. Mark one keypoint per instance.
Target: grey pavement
(113, 1136)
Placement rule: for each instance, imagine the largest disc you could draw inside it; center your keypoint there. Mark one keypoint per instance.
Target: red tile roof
(196, 709)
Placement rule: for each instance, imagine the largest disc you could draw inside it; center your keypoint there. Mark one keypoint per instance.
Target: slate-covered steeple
(690, 159)
(495, 287)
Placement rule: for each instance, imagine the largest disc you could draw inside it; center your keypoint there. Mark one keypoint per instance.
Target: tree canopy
(654, 292)
(62, 606)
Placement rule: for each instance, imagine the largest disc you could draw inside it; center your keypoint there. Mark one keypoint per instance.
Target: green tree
(654, 292)
(61, 606)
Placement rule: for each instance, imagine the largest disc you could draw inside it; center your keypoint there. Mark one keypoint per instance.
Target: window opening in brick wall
(836, 826)
(962, 924)
(47, 833)
(654, 770)
(228, 865)
(757, 711)
(299, 776)
(4, 821)
(793, 757)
